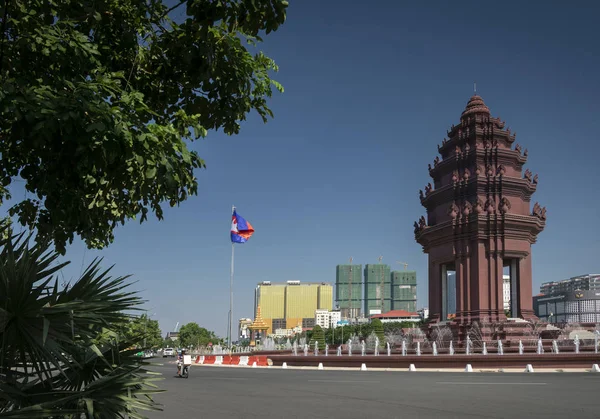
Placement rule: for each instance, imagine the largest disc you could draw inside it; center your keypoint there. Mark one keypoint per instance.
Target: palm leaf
(61, 352)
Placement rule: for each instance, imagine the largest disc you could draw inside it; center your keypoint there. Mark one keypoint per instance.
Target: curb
(451, 370)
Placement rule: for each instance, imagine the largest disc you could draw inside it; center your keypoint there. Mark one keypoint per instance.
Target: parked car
(168, 352)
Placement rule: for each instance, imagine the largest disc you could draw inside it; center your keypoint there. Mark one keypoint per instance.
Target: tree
(191, 334)
(60, 356)
(378, 330)
(143, 332)
(99, 101)
(317, 336)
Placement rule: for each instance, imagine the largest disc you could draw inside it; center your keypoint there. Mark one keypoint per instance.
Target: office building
(568, 307)
(348, 290)
(506, 291)
(404, 290)
(589, 282)
(400, 316)
(291, 304)
(327, 319)
(377, 289)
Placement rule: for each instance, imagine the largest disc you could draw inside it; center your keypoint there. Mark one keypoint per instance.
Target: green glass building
(348, 292)
(404, 290)
(377, 294)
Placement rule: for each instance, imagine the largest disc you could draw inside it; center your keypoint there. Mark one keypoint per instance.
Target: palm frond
(61, 351)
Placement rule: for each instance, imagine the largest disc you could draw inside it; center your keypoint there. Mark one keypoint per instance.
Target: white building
(326, 318)
(335, 317)
(397, 316)
(281, 333)
(506, 292)
(243, 331)
(423, 313)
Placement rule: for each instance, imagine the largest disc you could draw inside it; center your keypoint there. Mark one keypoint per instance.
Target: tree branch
(174, 7)
(4, 35)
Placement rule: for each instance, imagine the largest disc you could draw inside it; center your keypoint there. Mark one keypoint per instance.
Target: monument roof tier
(475, 105)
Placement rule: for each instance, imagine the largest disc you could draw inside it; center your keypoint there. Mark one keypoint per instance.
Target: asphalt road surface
(215, 393)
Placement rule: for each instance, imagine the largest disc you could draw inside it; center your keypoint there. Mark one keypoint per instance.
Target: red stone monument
(479, 222)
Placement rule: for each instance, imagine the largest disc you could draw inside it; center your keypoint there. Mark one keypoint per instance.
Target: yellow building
(292, 303)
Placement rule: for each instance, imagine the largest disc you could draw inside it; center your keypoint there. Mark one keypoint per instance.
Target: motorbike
(183, 373)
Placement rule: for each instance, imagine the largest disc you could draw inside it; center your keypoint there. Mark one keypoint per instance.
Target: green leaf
(109, 106)
(96, 126)
(150, 172)
(46, 329)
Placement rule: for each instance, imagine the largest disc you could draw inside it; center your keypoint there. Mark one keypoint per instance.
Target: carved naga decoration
(453, 210)
(467, 208)
(539, 211)
(428, 189)
(527, 175)
(466, 175)
(504, 205)
(478, 206)
(455, 177)
(489, 206)
(535, 179)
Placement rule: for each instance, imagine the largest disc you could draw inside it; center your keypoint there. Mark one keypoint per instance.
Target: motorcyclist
(180, 362)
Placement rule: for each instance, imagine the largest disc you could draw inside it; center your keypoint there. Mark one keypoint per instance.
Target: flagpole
(231, 290)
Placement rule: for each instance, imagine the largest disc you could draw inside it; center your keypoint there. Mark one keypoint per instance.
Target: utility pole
(350, 309)
(382, 284)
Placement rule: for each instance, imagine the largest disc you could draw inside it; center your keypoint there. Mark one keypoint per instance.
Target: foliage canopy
(143, 332)
(191, 334)
(377, 326)
(100, 99)
(317, 336)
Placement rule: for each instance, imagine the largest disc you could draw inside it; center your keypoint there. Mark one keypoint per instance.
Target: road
(212, 392)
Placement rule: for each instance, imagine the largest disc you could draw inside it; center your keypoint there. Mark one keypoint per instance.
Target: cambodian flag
(241, 230)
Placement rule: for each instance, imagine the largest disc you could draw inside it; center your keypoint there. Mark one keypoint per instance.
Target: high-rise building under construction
(348, 290)
(377, 295)
(404, 291)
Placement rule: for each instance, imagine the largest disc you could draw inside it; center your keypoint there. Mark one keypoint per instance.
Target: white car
(168, 352)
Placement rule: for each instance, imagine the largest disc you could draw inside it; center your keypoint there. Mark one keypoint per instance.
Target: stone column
(499, 289)
(435, 292)
(525, 289)
(459, 268)
(444, 292)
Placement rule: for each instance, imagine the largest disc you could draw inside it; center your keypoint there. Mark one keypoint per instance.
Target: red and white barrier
(244, 360)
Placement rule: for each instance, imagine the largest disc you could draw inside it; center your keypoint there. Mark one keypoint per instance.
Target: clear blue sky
(370, 92)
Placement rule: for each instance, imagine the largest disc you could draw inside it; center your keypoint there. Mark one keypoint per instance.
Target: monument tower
(479, 221)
